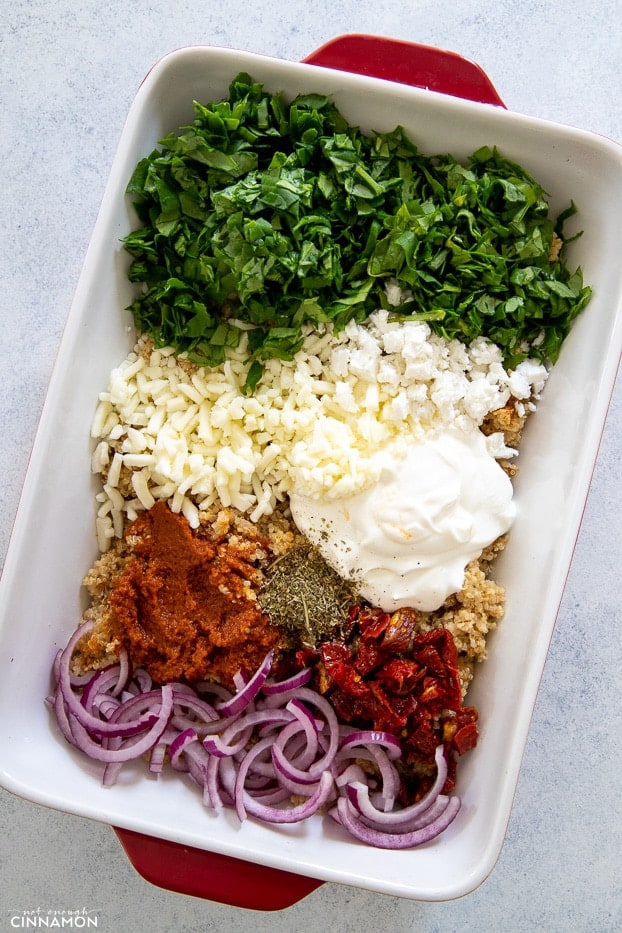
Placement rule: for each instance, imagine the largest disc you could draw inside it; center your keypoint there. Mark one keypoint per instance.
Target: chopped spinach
(267, 216)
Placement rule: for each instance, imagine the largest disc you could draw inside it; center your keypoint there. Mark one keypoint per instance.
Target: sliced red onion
(215, 727)
(227, 772)
(270, 688)
(77, 680)
(191, 711)
(350, 775)
(130, 718)
(314, 770)
(240, 680)
(111, 773)
(141, 681)
(60, 711)
(197, 759)
(389, 776)
(241, 730)
(89, 721)
(111, 679)
(370, 737)
(294, 771)
(218, 690)
(289, 771)
(358, 795)
(269, 796)
(125, 672)
(251, 750)
(247, 804)
(248, 691)
(106, 706)
(310, 726)
(134, 746)
(399, 821)
(158, 757)
(101, 684)
(211, 792)
(350, 819)
(178, 746)
(259, 783)
(298, 788)
(215, 744)
(329, 736)
(239, 791)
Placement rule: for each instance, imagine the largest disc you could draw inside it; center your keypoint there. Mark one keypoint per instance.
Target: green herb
(278, 215)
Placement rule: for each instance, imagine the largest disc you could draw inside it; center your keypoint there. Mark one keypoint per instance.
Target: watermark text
(40, 919)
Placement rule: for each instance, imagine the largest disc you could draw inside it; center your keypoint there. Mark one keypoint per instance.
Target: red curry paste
(184, 605)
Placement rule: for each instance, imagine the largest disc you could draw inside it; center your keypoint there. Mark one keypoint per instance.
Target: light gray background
(68, 71)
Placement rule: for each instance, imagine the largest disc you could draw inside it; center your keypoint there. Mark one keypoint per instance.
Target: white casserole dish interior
(54, 543)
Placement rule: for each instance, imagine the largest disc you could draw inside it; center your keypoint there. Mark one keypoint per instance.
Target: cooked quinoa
(469, 615)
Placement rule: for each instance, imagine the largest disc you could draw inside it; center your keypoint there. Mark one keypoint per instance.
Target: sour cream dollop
(407, 539)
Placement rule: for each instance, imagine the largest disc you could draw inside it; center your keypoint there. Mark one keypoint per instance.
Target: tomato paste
(184, 605)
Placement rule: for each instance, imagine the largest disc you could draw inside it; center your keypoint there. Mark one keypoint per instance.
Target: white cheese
(312, 427)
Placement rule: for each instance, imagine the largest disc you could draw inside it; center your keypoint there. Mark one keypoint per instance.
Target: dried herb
(303, 594)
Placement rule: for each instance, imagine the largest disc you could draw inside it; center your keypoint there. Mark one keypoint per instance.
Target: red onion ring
(248, 690)
(89, 721)
(252, 749)
(372, 737)
(241, 729)
(391, 840)
(358, 795)
(270, 688)
(212, 791)
(135, 745)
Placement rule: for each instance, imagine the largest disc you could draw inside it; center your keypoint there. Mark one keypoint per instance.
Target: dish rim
(74, 319)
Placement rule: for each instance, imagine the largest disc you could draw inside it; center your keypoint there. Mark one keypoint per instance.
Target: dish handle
(221, 878)
(215, 877)
(411, 63)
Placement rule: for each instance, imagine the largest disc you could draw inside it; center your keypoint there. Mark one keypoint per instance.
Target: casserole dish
(54, 543)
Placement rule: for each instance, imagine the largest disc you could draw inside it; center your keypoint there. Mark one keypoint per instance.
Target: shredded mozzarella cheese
(312, 425)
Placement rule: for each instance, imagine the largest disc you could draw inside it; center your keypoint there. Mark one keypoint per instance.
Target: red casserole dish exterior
(220, 878)
(410, 63)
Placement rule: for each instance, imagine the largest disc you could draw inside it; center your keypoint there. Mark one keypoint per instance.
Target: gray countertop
(68, 72)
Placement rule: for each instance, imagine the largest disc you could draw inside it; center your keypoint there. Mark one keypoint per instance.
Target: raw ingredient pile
(306, 463)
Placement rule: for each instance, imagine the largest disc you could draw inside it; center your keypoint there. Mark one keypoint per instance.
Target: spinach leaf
(275, 215)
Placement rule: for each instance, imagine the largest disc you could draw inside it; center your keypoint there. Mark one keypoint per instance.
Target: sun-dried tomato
(401, 631)
(460, 733)
(400, 675)
(304, 657)
(335, 652)
(389, 677)
(387, 712)
(337, 661)
(436, 650)
(422, 739)
(372, 623)
(367, 658)
(465, 738)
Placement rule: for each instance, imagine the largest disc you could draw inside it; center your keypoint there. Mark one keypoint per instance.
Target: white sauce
(406, 540)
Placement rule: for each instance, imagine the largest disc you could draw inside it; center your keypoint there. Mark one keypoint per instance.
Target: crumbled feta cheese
(497, 448)
(313, 424)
